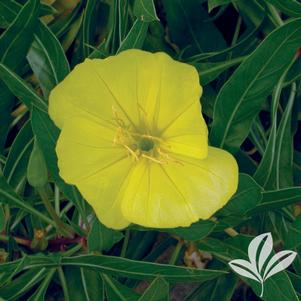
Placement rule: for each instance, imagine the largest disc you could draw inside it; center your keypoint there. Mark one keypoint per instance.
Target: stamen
(141, 145)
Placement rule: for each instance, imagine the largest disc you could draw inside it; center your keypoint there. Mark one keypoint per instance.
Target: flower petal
(148, 91)
(152, 200)
(172, 107)
(88, 158)
(176, 194)
(85, 146)
(104, 191)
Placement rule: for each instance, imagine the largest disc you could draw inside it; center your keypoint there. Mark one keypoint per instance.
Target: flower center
(141, 145)
(145, 144)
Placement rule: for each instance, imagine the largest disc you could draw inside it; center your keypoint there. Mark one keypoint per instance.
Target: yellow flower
(134, 142)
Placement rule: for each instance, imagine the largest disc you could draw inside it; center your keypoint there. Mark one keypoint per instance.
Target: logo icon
(260, 267)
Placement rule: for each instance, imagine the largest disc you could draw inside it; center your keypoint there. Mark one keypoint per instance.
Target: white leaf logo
(260, 248)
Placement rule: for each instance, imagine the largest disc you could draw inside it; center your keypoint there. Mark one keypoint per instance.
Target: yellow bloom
(134, 141)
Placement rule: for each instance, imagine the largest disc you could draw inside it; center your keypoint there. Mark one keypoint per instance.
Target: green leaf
(47, 59)
(115, 291)
(241, 98)
(120, 267)
(196, 231)
(185, 21)
(87, 26)
(39, 294)
(22, 284)
(294, 73)
(8, 196)
(248, 195)
(2, 219)
(6, 105)
(215, 3)
(273, 200)
(47, 134)
(84, 284)
(139, 269)
(145, 10)
(15, 41)
(210, 71)
(157, 291)
(221, 289)
(7, 12)
(9, 9)
(14, 44)
(282, 169)
(21, 89)
(101, 238)
(293, 236)
(16, 164)
(61, 25)
(290, 7)
(135, 37)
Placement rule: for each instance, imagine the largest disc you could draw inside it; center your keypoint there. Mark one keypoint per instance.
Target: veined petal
(104, 191)
(88, 158)
(174, 195)
(152, 93)
(84, 147)
(188, 135)
(152, 200)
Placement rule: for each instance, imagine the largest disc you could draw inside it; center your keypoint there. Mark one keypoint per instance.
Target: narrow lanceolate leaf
(241, 98)
(15, 41)
(84, 284)
(293, 237)
(16, 164)
(21, 89)
(39, 294)
(196, 231)
(122, 267)
(291, 8)
(7, 12)
(8, 196)
(263, 171)
(210, 71)
(47, 59)
(87, 27)
(14, 44)
(115, 291)
(22, 284)
(101, 238)
(273, 200)
(158, 290)
(247, 196)
(145, 10)
(135, 37)
(141, 270)
(215, 3)
(47, 134)
(281, 175)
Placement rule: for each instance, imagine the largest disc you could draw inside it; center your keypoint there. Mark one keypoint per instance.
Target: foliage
(247, 54)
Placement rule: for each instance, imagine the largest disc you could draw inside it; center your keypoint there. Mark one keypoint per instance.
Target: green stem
(125, 243)
(57, 199)
(72, 250)
(274, 15)
(63, 283)
(20, 241)
(63, 228)
(176, 252)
